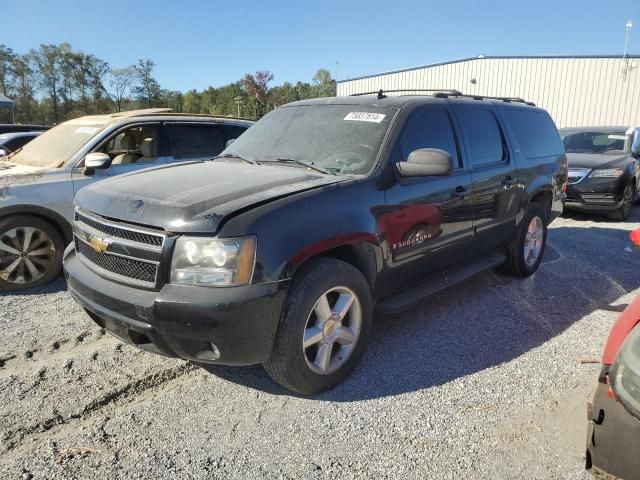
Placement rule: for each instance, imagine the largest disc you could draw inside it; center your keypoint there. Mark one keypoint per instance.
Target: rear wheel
(30, 252)
(623, 212)
(527, 248)
(324, 329)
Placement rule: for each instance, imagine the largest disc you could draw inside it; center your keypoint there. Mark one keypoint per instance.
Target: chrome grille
(115, 231)
(122, 266)
(126, 253)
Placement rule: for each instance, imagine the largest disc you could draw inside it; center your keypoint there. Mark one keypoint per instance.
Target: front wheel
(30, 252)
(527, 248)
(324, 328)
(623, 212)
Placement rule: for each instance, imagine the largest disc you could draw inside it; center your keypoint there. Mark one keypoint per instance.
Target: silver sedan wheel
(332, 330)
(533, 241)
(26, 255)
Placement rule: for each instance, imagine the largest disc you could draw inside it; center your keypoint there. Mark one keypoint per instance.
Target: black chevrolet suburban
(280, 250)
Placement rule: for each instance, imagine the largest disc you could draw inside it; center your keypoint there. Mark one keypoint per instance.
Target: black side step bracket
(401, 301)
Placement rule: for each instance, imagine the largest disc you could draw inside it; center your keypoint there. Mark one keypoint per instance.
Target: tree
(147, 90)
(6, 62)
(325, 86)
(121, 80)
(47, 60)
(23, 77)
(256, 88)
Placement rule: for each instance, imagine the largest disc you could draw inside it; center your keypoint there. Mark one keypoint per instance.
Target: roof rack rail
(503, 99)
(443, 93)
(381, 93)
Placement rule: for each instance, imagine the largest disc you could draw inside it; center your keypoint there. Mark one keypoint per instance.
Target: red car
(613, 438)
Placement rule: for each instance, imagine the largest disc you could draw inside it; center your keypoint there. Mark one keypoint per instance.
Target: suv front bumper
(600, 195)
(183, 321)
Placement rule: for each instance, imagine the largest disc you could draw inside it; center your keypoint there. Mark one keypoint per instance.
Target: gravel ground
(494, 386)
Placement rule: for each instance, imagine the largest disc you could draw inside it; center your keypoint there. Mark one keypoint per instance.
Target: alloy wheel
(26, 255)
(533, 241)
(332, 330)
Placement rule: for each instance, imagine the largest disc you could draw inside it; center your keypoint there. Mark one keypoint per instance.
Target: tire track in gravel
(15, 363)
(109, 401)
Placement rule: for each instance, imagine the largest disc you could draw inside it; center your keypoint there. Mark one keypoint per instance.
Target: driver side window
(429, 127)
(132, 145)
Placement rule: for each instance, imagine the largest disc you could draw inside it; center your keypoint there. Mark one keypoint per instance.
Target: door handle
(508, 181)
(460, 192)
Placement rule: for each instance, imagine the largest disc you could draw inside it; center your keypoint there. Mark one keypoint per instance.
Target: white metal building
(576, 90)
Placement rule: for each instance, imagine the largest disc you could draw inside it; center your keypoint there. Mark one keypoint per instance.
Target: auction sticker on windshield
(365, 117)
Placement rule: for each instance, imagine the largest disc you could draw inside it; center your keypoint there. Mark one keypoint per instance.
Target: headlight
(625, 373)
(213, 262)
(607, 172)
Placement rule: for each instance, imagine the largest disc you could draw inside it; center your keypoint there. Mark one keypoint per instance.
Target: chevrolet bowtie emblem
(100, 245)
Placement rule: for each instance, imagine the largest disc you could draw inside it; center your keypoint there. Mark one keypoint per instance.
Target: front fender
(296, 228)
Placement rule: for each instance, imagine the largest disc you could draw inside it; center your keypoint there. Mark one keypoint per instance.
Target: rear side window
(482, 136)
(195, 141)
(233, 131)
(535, 133)
(429, 128)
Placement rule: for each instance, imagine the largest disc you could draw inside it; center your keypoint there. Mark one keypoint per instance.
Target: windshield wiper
(302, 164)
(235, 155)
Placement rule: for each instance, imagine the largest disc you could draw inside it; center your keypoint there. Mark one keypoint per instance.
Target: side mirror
(426, 162)
(96, 160)
(3, 152)
(635, 142)
(229, 142)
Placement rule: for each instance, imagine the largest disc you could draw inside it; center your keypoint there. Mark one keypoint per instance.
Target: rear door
(195, 141)
(495, 196)
(428, 220)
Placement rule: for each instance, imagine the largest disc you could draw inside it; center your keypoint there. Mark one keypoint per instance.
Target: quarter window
(429, 128)
(482, 136)
(535, 133)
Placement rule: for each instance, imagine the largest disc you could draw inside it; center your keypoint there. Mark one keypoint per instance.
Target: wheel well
(362, 256)
(544, 198)
(61, 226)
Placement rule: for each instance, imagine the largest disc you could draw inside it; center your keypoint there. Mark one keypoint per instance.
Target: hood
(597, 160)
(13, 174)
(195, 197)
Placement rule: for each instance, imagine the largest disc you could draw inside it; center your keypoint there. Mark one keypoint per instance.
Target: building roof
(485, 57)
(5, 102)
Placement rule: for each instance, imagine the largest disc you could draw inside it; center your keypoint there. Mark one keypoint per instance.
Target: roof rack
(381, 93)
(502, 99)
(444, 93)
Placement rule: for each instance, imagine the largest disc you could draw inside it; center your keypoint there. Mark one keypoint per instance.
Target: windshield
(593, 142)
(56, 146)
(342, 139)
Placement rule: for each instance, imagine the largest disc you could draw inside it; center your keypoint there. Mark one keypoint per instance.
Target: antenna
(628, 67)
(628, 26)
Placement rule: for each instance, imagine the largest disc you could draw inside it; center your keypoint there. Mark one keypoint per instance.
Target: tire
(20, 237)
(300, 368)
(623, 212)
(518, 264)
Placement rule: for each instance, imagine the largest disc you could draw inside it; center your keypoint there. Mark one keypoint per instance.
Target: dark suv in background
(603, 169)
(279, 252)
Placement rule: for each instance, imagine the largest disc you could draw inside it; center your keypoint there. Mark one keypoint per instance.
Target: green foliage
(54, 83)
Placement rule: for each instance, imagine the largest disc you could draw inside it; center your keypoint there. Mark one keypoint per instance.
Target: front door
(427, 224)
(130, 149)
(496, 193)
